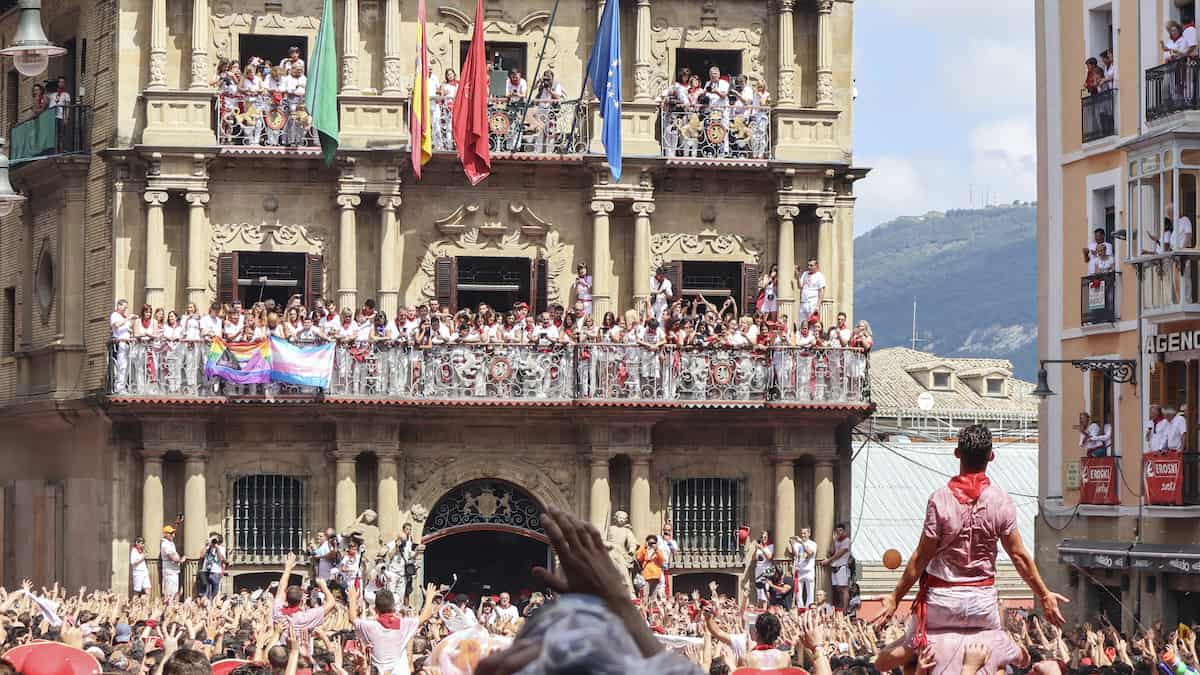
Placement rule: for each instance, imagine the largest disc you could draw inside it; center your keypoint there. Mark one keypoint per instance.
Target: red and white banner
(1163, 473)
(1098, 481)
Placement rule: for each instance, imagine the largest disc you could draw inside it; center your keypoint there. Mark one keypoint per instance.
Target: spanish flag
(420, 133)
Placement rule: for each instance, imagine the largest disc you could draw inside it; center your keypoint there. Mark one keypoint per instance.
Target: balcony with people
(1161, 236)
(57, 126)
(1174, 86)
(431, 356)
(1170, 463)
(725, 118)
(1099, 289)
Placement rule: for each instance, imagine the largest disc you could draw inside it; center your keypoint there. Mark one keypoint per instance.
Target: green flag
(320, 95)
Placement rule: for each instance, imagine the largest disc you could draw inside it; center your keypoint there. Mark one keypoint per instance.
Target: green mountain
(972, 273)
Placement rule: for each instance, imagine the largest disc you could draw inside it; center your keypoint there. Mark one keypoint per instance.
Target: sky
(946, 105)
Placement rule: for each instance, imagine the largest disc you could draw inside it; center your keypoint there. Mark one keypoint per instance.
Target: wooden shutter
(539, 278)
(314, 278)
(227, 281)
(749, 288)
(445, 282)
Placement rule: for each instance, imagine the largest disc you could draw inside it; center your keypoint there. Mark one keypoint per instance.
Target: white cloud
(991, 74)
(896, 186)
(1004, 157)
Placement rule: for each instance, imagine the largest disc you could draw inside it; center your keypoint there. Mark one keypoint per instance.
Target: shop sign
(1098, 481)
(1164, 479)
(1164, 343)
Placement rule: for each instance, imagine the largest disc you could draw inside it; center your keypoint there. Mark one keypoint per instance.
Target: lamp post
(9, 198)
(1121, 371)
(31, 50)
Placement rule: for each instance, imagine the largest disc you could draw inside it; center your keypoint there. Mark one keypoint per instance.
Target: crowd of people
(169, 347)
(719, 117)
(263, 103)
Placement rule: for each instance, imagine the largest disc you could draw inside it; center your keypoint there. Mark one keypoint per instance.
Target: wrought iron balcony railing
(54, 131)
(1170, 283)
(1172, 87)
(542, 127)
(1098, 298)
(264, 120)
(716, 132)
(583, 374)
(1099, 115)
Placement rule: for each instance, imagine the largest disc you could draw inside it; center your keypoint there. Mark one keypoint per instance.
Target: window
(251, 276)
(502, 57)
(269, 515)
(1104, 214)
(700, 60)
(366, 481)
(716, 281)
(499, 282)
(941, 380)
(273, 48)
(1099, 30)
(8, 321)
(706, 514)
(995, 386)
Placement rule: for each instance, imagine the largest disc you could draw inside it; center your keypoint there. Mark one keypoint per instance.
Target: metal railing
(1169, 280)
(543, 127)
(1098, 298)
(1172, 87)
(54, 131)
(582, 373)
(1099, 114)
(264, 120)
(716, 132)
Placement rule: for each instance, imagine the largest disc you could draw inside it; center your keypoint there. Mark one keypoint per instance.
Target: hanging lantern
(31, 50)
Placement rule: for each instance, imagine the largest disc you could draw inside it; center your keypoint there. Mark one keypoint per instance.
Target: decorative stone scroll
(665, 246)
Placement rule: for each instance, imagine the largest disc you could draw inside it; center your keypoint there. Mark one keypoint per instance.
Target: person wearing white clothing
(122, 331)
(139, 571)
(1156, 430)
(388, 634)
(504, 614)
(1092, 440)
(661, 294)
(804, 556)
(812, 291)
(669, 548)
(170, 563)
(1176, 431)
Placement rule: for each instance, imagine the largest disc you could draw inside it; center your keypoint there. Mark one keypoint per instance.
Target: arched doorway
(484, 537)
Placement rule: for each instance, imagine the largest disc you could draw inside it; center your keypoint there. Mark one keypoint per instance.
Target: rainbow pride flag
(239, 363)
(307, 366)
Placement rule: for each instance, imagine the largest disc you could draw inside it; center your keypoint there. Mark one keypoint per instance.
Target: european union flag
(604, 71)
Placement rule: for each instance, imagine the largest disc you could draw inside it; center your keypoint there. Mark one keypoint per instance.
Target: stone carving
(786, 77)
(487, 503)
(824, 88)
(664, 38)
(708, 13)
(393, 80)
(529, 236)
(824, 6)
(418, 513)
(227, 237)
(227, 25)
(622, 544)
(200, 69)
(349, 65)
(456, 26)
(158, 70)
(666, 246)
(641, 81)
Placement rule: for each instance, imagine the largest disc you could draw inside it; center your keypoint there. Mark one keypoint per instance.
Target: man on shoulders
(388, 634)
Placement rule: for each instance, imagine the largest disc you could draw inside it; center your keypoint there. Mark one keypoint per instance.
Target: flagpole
(537, 71)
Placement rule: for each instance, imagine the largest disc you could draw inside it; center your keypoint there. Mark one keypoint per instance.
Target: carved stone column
(200, 19)
(639, 496)
(157, 79)
(785, 503)
(391, 255)
(641, 252)
(786, 259)
(598, 497)
(392, 83)
(642, 59)
(156, 254)
(824, 53)
(195, 505)
(347, 294)
(601, 258)
(152, 500)
(388, 493)
(787, 55)
(823, 511)
(350, 47)
(197, 249)
(345, 499)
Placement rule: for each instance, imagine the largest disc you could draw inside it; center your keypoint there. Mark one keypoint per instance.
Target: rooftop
(896, 385)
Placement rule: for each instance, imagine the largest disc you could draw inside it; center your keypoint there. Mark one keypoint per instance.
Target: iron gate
(268, 516)
(706, 514)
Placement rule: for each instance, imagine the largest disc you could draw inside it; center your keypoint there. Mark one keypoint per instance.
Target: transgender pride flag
(307, 366)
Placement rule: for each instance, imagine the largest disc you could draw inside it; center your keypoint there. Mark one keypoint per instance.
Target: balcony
(513, 374)
(262, 121)
(1100, 480)
(1169, 285)
(541, 128)
(1171, 88)
(1099, 115)
(716, 133)
(54, 131)
(1098, 298)
(1172, 479)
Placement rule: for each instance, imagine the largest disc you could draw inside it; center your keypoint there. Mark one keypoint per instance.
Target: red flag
(471, 108)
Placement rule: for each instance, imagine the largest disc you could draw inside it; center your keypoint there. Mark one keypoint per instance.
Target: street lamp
(31, 50)
(1120, 371)
(9, 198)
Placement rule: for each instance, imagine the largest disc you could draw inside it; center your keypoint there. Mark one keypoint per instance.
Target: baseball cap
(168, 529)
(122, 633)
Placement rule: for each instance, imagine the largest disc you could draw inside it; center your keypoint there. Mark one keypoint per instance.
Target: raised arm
(427, 610)
(288, 565)
(1027, 568)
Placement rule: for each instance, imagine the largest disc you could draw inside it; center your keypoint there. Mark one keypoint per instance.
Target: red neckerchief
(967, 487)
(762, 648)
(389, 620)
(289, 610)
(146, 323)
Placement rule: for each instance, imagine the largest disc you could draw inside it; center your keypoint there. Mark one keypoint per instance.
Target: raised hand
(927, 660)
(975, 656)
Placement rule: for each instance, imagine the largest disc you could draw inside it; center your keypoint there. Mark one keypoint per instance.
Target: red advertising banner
(1098, 481)
(1163, 473)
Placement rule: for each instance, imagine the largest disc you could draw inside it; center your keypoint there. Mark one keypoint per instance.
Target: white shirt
(669, 548)
(214, 566)
(556, 93)
(1110, 74)
(1092, 438)
(324, 567)
(121, 328)
(805, 555)
(137, 564)
(500, 614)
(1158, 434)
(389, 646)
(166, 549)
(59, 100)
(663, 294)
(192, 327)
(1183, 230)
(1176, 429)
(295, 86)
(521, 88)
(210, 325)
(811, 285)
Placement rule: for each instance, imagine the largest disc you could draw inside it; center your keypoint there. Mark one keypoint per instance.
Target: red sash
(920, 606)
